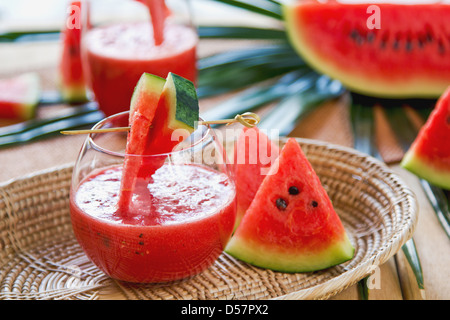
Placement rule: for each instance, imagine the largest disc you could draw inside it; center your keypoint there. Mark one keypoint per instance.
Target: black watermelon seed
(281, 204)
(409, 46)
(293, 190)
(314, 204)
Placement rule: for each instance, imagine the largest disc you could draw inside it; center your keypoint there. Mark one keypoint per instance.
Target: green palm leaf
(231, 71)
(232, 32)
(363, 124)
(295, 106)
(265, 7)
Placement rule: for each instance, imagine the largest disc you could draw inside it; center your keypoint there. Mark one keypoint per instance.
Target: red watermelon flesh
(159, 107)
(71, 75)
(177, 113)
(19, 96)
(254, 153)
(291, 225)
(144, 103)
(406, 55)
(429, 155)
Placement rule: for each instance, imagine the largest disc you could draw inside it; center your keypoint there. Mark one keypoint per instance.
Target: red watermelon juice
(117, 55)
(177, 225)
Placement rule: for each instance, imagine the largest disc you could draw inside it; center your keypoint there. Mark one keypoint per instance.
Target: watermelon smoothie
(176, 227)
(117, 55)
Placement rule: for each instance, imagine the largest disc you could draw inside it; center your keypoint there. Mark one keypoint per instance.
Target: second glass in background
(121, 40)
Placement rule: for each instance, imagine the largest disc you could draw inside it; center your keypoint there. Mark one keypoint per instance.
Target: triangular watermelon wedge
(291, 225)
(429, 155)
(254, 153)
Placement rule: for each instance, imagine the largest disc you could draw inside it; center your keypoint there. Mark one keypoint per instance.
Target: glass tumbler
(121, 39)
(181, 212)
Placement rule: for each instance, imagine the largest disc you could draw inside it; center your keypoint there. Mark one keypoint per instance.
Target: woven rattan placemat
(40, 258)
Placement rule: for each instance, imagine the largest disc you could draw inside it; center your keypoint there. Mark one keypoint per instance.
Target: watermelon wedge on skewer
(158, 108)
(291, 225)
(142, 111)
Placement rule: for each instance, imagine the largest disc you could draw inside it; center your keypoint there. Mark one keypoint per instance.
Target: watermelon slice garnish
(291, 225)
(19, 96)
(254, 153)
(158, 108)
(429, 155)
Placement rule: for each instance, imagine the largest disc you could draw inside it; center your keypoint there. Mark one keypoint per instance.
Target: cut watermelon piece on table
(72, 83)
(254, 153)
(387, 50)
(429, 155)
(291, 225)
(19, 96)
(158, 108)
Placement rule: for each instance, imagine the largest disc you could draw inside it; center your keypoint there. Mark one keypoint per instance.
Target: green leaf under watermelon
(255, 97)
(291, 110)
(363, 125)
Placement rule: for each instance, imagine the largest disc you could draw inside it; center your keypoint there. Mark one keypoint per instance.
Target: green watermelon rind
(184, 108)
(74, 93)
(290, 262)
(254, 240)
(425, 170)
(419, 88)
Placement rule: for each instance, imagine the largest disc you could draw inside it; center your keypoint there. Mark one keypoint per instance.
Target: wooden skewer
(248, 119)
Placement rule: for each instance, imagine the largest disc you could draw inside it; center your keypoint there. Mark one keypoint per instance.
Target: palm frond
(235, 70)
(363, 124)
(295, 106)
(258, 96)
(264, 7)
(234, 32)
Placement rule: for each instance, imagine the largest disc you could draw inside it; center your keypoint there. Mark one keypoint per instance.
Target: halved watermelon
(254, 153)
(72, 81)
(406, 55)
(429, 155)
(19, 96)
(291, 225)
(158, 108)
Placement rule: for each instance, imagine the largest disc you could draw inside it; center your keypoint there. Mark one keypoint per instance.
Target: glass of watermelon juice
(181, 215)
(122, 39)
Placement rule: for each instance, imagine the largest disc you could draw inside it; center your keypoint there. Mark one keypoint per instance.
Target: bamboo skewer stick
(248, 119)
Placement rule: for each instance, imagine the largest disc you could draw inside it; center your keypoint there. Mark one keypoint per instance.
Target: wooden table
(394, 279)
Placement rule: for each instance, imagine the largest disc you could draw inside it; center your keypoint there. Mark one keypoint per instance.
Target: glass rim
(99, 148)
